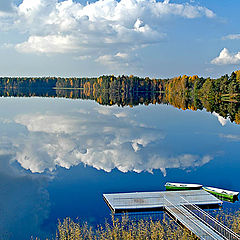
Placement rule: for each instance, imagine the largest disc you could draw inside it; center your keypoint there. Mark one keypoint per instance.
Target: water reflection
(222, 121)
(231, 137)
(224, 109)
(99, 137)
(107, 149)
(24, 202)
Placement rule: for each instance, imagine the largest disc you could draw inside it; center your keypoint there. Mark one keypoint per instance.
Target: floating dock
(184, 206)
(148, 201)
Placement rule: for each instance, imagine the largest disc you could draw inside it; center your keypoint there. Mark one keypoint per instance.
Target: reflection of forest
(225, 109)
(184, 92)
(115, 98)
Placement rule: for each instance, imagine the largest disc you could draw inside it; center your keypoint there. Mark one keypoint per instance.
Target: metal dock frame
(183, 206)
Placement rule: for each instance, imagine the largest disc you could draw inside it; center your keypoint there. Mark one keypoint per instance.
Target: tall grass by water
(126, 229)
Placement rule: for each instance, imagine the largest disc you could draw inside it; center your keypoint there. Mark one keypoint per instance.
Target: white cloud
(101, 137)
(106, 28)
(223, 121)
(59, 124)
(49, 44)
(225, 58)
(120, 59)
(104, 111)
(182, 161)
(3, 14)
(232, 37)
(122, 55)
(231, 137)
(106, 59)
(83, 57)
(7, 46)
(114, 60)
(121, 114)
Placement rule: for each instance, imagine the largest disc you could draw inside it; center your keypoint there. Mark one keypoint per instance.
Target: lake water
(58, 156)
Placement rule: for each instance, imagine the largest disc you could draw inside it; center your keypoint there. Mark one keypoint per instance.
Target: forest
(225, 87)
(221, 95)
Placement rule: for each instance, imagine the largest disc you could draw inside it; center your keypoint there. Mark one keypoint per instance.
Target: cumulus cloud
(58, 123)
(226, 58)
(223, 121)
(101, 137)
(107, 28)
(49, 44)
(232, 37)
(182, 161)
(68, 141)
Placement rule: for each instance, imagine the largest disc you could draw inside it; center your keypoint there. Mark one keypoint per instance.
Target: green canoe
(222, 193)
(181, 186)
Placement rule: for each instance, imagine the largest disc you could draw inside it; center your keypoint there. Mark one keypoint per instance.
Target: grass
(126, 229)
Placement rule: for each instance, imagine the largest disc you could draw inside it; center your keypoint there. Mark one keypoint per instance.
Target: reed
(126, 229)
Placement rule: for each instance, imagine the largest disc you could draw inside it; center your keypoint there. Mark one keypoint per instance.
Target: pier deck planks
(137, 201)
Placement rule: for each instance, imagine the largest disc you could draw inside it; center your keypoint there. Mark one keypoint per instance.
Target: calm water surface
(58, 156)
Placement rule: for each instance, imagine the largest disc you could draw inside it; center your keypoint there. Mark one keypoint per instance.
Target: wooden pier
(183, 206)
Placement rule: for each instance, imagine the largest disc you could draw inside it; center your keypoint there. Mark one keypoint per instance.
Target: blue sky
(140, 37)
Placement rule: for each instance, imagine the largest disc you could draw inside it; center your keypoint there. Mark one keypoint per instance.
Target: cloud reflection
(104, 138)
(231, 137)
(223, 121)
(21, 194)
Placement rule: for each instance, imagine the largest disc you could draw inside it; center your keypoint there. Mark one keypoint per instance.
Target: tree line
(223, 87)
(221, 95)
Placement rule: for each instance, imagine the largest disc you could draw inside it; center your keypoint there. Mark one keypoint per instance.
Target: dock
(148, 201)
(185, 207)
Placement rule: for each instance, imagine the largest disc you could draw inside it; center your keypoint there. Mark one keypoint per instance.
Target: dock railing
(210, 221)
(185, 218)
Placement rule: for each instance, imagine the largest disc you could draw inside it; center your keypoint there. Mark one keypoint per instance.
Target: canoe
(231, 200)
(182, 186)
(222, 193)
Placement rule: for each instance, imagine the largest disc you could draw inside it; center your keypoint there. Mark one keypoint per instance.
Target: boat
(233, 200)
(222, 193)
(182, 186)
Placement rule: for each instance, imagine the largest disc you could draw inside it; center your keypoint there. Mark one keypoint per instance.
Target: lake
(58, 156)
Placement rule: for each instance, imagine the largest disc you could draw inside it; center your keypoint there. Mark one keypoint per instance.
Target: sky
(161, 39)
